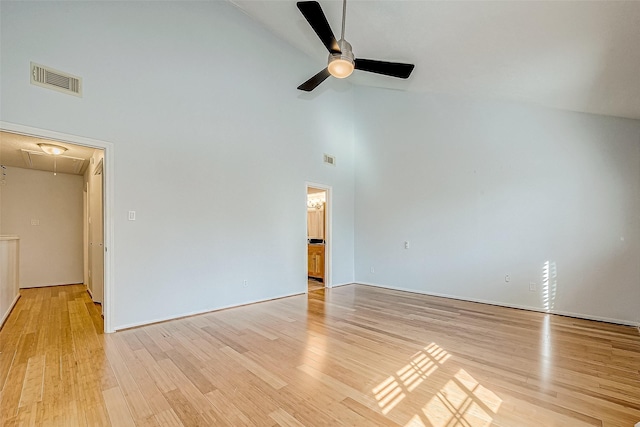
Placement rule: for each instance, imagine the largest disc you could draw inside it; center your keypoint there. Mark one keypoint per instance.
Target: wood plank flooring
(353, 355)
(314, 285)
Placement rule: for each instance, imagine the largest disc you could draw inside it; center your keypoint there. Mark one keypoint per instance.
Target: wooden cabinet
(316, 261)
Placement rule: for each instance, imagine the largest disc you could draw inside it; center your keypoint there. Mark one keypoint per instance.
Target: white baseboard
(194, 313)
(481, 301)
(342, 284)
(501, 304)
(5, 316)
(49, 285)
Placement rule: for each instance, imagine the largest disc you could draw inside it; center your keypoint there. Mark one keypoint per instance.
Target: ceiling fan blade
(393, 69)
(314, 81)
(312, 11)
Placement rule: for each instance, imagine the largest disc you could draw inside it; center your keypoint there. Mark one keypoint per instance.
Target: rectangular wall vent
(56, 80)
(330, 160)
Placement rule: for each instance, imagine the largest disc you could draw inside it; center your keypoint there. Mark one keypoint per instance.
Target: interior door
(96, 235)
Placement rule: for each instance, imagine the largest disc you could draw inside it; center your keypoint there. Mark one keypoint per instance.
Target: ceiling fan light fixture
(342, 64)
(340, 68)
(52, 149)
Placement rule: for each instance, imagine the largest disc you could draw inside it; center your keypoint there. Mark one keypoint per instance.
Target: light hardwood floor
(314, 285)
(354, 355)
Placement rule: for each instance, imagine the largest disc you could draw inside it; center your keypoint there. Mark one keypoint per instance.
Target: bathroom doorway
(318, 237)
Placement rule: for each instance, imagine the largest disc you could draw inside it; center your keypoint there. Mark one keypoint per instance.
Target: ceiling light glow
(340, 68)
(51, 149)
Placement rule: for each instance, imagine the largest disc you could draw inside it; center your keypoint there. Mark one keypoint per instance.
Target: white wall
(213, 144)
(485, 189)
(51, 252)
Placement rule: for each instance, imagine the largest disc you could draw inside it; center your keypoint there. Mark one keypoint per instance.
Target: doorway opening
(318, 237)
(82, 177)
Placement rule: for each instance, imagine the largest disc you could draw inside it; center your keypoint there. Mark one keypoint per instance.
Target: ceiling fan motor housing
(342, 64)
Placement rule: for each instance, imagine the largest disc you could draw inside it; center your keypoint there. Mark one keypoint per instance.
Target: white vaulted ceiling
(579, 56)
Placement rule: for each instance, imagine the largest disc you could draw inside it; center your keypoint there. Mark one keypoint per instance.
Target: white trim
(49, 285)
(328, 244)
(197, 312)
(5, 316)
(337, 285)
(108, 195)
(502, 304)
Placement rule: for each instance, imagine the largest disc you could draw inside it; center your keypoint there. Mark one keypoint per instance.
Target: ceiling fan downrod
(344, 14)
(341, 65)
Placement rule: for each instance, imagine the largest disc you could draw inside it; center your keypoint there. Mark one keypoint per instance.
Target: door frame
(97, 170)
(328, 220)
(108, 168)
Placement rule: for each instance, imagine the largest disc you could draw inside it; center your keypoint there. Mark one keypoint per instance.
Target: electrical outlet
(35, 222)
(507, 278)
(532, 287)
(406, 244)
(245, 283)
(373, 270)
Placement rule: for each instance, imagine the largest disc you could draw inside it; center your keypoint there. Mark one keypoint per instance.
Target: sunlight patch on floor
(462, 401)
(415, 421)
(394, 389)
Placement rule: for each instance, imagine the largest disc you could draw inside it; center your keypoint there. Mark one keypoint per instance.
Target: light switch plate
(132, 215)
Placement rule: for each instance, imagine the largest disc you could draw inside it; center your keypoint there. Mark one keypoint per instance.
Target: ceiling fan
(342, 62)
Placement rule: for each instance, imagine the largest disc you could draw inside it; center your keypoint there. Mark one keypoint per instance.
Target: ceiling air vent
(56, 80)
(330, 160)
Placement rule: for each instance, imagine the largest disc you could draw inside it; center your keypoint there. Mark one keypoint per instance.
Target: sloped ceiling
(578, 56)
